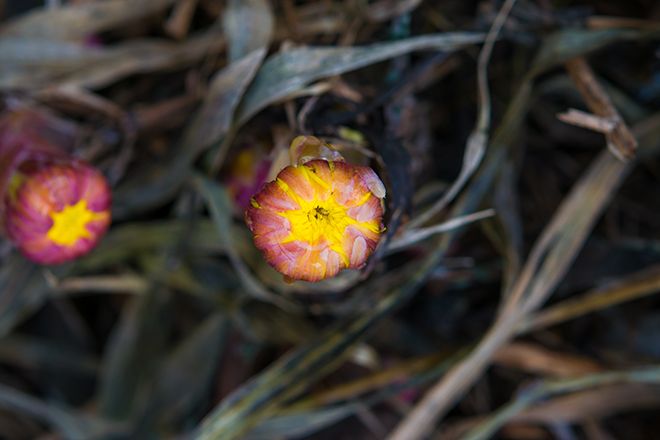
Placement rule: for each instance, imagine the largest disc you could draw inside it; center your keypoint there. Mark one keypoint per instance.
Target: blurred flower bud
(56, 211)
(53, 207)
(317, 218)
(247, 173)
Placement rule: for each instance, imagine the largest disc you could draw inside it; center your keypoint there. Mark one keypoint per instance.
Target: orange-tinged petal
(293, 181)
(358, 242)
(359, 251)
(273, 197)
(369, 211)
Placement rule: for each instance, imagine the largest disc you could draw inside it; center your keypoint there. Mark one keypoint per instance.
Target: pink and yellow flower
(317, 218)
(56, 211)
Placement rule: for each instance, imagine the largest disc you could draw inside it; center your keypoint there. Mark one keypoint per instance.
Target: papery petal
(358, 244)
(372, 181)
(294, 182)
(369, 211)
(273, 197)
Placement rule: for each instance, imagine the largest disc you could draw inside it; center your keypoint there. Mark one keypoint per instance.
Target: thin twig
(587, 120)
(178, 24)
(103, 284)
(620, 140)
(416, 235)
(475, 148)
(556, 387)
(638, 285)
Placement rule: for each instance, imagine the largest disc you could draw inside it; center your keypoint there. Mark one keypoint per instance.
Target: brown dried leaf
(594, 404)
(537, 359)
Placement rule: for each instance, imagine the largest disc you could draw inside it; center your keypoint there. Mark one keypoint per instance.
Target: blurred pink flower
(56, 211)
(53, 207)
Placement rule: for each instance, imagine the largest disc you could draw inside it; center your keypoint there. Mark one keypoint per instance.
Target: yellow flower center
(70, 224)
(322, 219)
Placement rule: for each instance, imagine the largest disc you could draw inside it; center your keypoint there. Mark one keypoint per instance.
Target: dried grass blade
(547, 264)
(68, 423)
(76, 22)
(638, 285)
(551, 388)
(475, 148)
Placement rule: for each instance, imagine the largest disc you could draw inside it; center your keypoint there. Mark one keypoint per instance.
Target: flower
(317, 218)
(56, 211)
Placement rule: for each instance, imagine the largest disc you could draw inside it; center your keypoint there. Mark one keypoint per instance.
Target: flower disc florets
(56, 212)
(318, 218)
